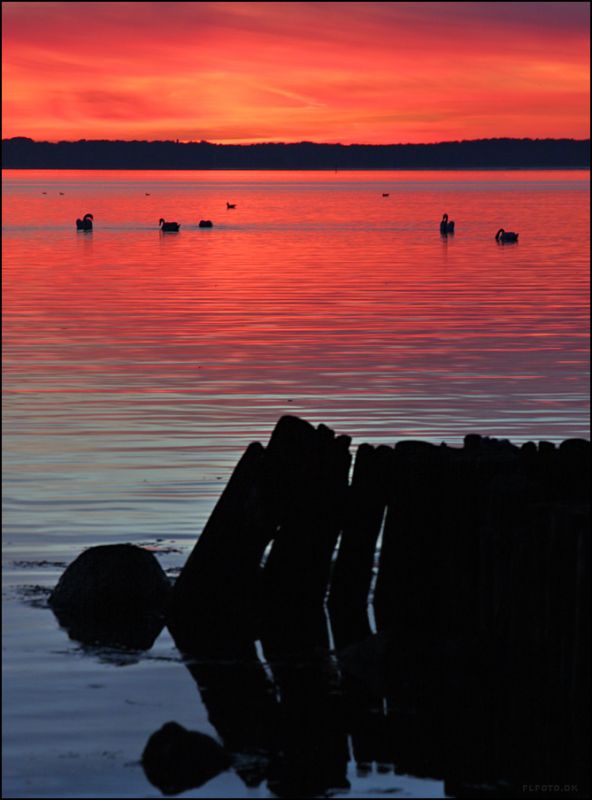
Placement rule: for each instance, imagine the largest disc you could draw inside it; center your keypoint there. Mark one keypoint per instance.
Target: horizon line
(305, 141)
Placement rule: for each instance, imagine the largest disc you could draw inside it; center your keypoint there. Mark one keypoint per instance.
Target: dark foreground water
(138, 365)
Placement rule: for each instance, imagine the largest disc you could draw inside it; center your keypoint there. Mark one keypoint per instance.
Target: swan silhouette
(230, 205)
(506, 236)
(445, 226)
(85, 224)
(206, 223)
(168, 226)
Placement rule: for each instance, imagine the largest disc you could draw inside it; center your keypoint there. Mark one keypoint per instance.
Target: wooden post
(352, 573)
(311, 469)
(406, 587)
(215, 598)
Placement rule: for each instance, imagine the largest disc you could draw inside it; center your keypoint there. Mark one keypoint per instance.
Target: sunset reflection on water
(139, 364)
(158, 357)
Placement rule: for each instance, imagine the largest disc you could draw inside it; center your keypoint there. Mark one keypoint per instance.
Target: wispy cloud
(368, 71)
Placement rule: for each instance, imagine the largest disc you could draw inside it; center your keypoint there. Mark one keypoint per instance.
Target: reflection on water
(138, 365)
(294, 722)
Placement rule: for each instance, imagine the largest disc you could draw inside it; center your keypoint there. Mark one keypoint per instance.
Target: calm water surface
(139, 364)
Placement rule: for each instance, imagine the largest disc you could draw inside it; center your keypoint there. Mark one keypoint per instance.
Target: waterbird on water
(445, 226)
(206, 223)
(168, 226)
(385, 194)
(506, 236)
(230, 205)
(85, 224)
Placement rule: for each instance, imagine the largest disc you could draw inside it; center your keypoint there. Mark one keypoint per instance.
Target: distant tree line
(24, 153)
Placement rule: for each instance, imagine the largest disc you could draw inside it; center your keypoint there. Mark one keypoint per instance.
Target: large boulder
(113, 595)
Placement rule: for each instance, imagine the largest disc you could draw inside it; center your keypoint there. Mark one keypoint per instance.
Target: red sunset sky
(326, 72)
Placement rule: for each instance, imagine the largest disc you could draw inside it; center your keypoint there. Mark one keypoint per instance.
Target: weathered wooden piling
(313, 479)
(291, 492)
(352, 573)
(215, 598)
(407, 587)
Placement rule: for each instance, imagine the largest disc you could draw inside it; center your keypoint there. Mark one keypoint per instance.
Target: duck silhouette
(506, 236)
(85, 224)
(445, 226)
(206, 223)
(168, 226)
(230, 205)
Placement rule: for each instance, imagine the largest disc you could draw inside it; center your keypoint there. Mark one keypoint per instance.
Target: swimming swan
(506, 236)
(168, 226)
(85, 224)
(445, 226)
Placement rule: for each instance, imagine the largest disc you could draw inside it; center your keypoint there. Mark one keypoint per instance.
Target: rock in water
(113, 595)
(176, 759)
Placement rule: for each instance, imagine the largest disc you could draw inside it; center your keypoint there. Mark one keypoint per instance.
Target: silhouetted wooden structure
(480, 598)
(474, 540)
(478, 672)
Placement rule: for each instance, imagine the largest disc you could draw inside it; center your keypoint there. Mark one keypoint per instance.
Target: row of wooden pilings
(479, 672)
(481, 593)
(488, 540)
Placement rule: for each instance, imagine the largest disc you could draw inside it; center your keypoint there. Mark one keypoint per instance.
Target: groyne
(420, 606)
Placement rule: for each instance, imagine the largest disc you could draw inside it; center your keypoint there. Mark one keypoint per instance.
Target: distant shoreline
(479, 154)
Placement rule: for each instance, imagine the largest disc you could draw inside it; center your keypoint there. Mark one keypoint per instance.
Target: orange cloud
(348, 72)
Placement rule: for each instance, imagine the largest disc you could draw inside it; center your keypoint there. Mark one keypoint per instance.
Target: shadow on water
(467, 713)
(283, 721)
(430, 709)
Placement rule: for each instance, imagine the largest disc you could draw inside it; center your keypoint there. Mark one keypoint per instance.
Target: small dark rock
(176, 759)
(113, 595)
